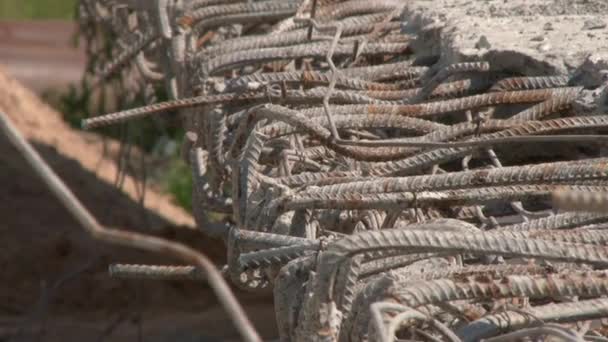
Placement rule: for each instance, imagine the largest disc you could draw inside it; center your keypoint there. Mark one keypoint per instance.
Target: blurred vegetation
(179, 183)
(159, 137)
(37, 9)
(78, 102)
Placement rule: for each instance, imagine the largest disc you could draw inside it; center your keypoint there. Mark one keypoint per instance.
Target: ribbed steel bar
(378, 190)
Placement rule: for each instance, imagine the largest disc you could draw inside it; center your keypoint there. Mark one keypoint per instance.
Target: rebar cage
(382, 193)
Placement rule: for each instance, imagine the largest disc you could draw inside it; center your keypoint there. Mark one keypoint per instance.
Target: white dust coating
(531, 37)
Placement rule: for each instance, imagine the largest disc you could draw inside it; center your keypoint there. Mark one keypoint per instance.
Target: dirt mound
(54, 282)
(40, 124)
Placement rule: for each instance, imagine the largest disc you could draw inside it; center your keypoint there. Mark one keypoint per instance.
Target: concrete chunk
(528, 37)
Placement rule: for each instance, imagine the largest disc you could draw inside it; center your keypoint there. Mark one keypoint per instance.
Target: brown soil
(54, 284)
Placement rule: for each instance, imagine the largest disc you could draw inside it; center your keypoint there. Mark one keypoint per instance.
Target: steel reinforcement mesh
(383, 194)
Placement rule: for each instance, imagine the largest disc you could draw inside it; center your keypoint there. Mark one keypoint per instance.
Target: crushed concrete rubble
(537, 37)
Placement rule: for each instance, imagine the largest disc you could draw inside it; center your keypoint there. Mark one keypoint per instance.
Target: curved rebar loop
(376, 31)
(376, 287)
(130, 239)
(520, 133)
(407, 125)
(447, 72)
(219, 15)
(320, 78)
(268, 112)
(349, 272)
(146, 69)
(486, 221)
(384, 153)
(403, 313)
(216, 137)
(237, 59)
(494, 324)
(403, 124)
(563, 333)
(321, 162)
(203, 199)
(561, 99)
(341, 9)
(123, 57)
(410, 314)
(353, 27)
(162, 15)
(517, 206)
(440, 241)
(424, 159)
(289, 295)
(246, 279)
(419, 293)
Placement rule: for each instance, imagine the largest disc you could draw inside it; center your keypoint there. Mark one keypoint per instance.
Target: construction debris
(387, 166)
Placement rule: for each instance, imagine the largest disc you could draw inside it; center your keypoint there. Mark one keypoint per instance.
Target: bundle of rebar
(382, 194)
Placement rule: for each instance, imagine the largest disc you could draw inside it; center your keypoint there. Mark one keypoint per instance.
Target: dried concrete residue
(529, 37)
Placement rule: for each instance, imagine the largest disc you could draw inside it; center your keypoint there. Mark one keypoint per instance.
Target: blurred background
(36, 34)
(55, 285)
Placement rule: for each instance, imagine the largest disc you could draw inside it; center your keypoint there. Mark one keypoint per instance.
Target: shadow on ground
(54, 285)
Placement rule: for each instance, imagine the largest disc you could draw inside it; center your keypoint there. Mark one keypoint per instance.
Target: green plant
(37, 9)
(179, 183)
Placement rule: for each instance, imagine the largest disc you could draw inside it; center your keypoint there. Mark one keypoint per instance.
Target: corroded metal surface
(381, 195)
